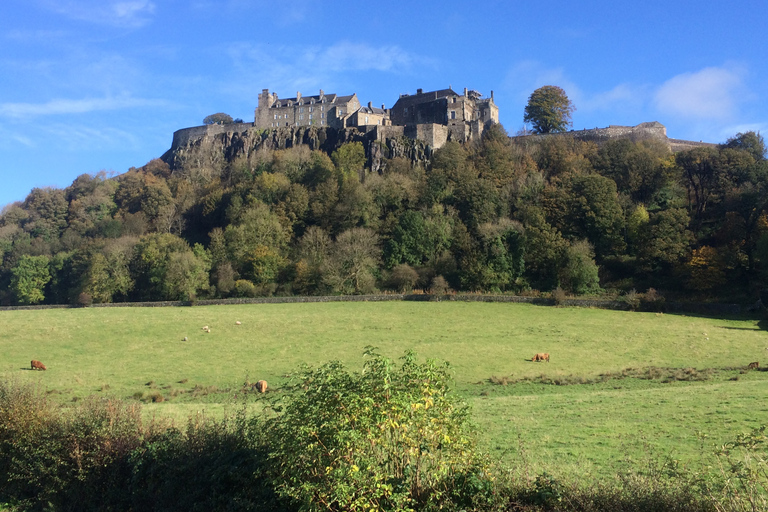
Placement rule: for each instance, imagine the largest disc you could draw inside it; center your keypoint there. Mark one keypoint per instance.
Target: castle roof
(327, 98)
(372, 110)
(406, 100)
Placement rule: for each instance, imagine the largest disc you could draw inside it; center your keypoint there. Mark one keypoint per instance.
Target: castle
(465, 116)
(414, 127)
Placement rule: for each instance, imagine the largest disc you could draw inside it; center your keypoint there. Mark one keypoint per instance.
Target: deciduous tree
(218, 118)
(549, 110)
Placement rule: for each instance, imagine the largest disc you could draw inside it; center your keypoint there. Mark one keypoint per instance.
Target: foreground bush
(391, 437)
(100, 455)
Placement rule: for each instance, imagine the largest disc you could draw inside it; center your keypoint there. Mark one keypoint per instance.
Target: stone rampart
(186, 135)
(643, 131)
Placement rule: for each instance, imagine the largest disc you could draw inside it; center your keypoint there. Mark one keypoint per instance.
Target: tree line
(502, 214)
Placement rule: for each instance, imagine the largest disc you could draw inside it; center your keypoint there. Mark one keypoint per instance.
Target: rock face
(226, 143)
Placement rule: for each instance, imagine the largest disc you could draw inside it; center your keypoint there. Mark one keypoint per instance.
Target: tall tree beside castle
(549, 110)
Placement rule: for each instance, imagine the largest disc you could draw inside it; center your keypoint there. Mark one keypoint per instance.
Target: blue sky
(90, 85)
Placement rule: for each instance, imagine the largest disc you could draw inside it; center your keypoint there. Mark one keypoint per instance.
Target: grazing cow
(541, 357)
(37, 365)
(261, 386)
(753, 366)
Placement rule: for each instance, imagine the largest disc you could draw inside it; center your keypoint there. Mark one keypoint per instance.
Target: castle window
(310, 116)
(322, 114)
(301, 117)
(322, 107)
(366, 119)
(311, 109)
(301, 109)
(453, 114)
(275, 116)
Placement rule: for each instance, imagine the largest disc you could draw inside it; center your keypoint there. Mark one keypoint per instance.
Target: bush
(652, 301)
(439, 286)
(403, 278)
(390, 437)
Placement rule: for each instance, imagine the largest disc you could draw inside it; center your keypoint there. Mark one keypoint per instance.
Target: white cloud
(711, 93)
(349, 56)
(67, 106)
(118, 13)
(527, 76)
(296, 68)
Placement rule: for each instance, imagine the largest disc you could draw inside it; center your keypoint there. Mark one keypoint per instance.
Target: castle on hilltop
(414, 127)
(465, 116)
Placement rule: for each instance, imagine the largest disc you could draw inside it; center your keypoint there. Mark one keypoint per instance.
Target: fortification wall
(644, 131)
(229, 142)
(186, 135)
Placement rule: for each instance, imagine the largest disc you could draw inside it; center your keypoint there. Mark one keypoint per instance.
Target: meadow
(621, 387)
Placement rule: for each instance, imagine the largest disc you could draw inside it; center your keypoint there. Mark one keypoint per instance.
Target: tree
(752, 142)
(29, 277)
(549, 110)
(390, 437)
(580, 273)
(219, 118)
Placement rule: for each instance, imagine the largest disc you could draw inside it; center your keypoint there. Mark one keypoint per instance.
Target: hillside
(310, 211)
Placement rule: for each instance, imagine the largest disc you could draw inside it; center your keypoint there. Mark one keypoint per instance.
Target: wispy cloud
(302, 68)
(350, 56)
(711, 93)
(69, 106)
(118, 13)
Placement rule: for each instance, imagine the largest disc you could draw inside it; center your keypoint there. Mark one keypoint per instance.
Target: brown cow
(543, 356)
(753, 366)
(262, 386)
(37, 365)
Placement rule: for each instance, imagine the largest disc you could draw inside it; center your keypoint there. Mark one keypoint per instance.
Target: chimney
(298, 97)
(419, 91)
(382, 107)
(465, 92)
(491, 95)
(370, 105)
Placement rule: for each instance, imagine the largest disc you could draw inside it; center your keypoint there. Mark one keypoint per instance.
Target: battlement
(644, 131)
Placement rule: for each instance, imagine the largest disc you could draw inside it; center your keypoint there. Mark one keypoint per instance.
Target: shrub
(439, 286)
(653, 301)
(559, 296)
(245, 288)
(390, 437)
(631, 299)
(403, 278)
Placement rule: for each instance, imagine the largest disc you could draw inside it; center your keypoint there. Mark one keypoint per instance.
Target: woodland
(523, 215)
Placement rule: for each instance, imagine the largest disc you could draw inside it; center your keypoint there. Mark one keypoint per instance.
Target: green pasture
(577, 413)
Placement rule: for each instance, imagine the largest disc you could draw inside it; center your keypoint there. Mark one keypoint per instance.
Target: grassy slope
(566, 428)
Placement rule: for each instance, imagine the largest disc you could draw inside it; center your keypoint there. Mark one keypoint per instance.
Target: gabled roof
(372, 110)
(425, 97)
(329, 98)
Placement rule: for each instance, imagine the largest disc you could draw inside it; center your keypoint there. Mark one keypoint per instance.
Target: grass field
(584, 412)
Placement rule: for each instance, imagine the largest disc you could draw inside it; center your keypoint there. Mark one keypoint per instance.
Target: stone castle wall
(413, 142)
(232, 141)
(644, 131)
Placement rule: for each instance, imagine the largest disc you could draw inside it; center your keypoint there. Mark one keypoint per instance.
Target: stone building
(369, 116)
(440, 115)
(465, 115)
(323, 110)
